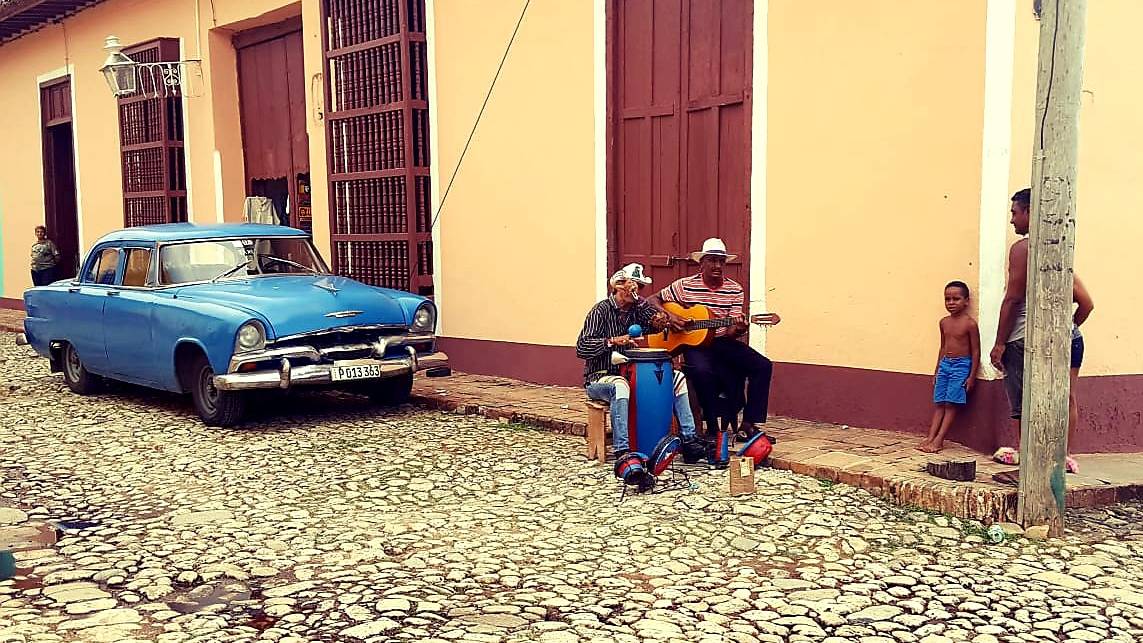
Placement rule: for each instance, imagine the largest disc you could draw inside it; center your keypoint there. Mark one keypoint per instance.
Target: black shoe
(693, 450)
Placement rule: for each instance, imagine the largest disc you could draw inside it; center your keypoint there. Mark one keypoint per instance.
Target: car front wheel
(392, 391)
(214, 407)
(75, 374)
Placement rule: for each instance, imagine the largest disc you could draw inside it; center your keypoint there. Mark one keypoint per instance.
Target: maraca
(635, 331)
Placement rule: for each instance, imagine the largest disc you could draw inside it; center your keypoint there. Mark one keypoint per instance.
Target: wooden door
(377, 135)
(60, 210)
(272, 102)
(679, 114)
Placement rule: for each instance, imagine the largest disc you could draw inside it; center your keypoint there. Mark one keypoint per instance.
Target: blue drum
(652, 406)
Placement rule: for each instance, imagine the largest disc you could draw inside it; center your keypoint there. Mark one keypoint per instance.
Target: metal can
(996, 534)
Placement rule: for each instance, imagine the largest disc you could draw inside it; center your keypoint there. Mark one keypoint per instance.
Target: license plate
(348, 370)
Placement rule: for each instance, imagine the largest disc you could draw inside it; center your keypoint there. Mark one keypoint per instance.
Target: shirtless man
(1008, 353)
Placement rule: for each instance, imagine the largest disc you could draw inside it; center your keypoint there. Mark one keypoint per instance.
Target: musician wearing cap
(719, 362)
(605, 331)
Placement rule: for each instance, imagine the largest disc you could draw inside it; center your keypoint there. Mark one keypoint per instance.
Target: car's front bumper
(287, 375)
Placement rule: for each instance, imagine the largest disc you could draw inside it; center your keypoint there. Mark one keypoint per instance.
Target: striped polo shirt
(726, 301)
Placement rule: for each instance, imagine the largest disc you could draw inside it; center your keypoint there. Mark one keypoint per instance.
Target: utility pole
(1051, 244)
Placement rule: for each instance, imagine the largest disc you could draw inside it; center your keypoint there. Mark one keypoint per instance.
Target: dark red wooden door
(272, 100)
(680, 132)
(60, 211)
(377, 133)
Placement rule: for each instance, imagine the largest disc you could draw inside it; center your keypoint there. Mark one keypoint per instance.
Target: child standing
(957, 364)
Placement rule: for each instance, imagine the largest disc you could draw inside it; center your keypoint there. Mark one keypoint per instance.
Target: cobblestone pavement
(328, 520)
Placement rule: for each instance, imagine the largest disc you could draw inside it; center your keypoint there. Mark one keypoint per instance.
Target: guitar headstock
(765, 319)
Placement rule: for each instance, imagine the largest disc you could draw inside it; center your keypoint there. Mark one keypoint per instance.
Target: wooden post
(1044, 428)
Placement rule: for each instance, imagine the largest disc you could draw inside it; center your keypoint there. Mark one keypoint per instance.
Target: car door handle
(112, 293)
(76, 289)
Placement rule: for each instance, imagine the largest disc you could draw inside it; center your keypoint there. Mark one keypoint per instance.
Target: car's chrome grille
(347, 351)
(337, 338)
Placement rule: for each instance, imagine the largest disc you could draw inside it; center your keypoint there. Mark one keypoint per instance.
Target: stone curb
(554, 425)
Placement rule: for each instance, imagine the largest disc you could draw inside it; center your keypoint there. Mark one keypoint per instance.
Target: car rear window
(138, 267)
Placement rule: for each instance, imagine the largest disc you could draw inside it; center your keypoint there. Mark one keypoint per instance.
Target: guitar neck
(710, 323)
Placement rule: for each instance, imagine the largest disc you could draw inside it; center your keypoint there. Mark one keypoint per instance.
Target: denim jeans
(617, 392)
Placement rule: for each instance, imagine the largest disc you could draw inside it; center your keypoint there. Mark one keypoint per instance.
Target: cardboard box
(741, 476)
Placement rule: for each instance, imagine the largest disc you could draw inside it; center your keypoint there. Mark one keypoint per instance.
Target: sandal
(1006, 455)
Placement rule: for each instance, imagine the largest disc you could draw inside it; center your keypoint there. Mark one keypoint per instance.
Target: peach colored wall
(518, 229)
(874, 157)
(213, 126)
(94, 119)
(1108, 228)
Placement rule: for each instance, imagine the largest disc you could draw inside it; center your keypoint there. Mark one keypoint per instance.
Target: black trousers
(43, 277)
(718, 372)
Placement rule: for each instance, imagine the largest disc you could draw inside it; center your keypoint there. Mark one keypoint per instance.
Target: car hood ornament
(326, 284)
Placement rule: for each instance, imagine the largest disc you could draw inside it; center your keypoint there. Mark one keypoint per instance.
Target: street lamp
(118, 70)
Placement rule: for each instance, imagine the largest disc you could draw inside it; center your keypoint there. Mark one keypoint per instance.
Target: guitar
(699, 329)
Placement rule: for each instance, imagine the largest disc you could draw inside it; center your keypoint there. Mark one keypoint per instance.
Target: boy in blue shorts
(957, 364)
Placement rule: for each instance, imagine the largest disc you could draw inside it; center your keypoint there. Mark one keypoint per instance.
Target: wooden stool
(597, 429)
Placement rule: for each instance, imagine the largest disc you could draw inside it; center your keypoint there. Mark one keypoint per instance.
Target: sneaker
(747, 431)
(1071, 464)
(692, 450)
(1006, 455)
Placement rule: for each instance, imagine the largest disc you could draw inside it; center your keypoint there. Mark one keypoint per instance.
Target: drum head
(664, 454)
(647, 355)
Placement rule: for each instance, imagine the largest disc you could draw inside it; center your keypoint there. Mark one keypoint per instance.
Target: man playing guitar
(725, 362)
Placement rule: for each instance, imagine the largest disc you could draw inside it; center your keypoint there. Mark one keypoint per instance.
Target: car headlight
(425, 319)
(251, 337)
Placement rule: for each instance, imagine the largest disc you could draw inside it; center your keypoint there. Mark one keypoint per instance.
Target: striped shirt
(727, 301)
(605, 321)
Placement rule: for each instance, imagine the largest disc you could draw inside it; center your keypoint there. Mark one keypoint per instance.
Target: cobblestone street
(326, 519)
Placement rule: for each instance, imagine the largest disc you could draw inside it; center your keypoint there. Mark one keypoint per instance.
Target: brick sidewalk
(883, 462)
(11, 321)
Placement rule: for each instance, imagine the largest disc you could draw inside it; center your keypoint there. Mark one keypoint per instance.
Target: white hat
(630, 272)
(712, 246)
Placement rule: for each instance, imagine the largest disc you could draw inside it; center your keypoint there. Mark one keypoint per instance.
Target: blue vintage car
(219, 310)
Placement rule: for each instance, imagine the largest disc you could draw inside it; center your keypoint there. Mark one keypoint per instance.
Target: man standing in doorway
(1008, 353)
(726, 361)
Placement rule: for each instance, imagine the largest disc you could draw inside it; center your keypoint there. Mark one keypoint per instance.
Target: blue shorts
(951, 377)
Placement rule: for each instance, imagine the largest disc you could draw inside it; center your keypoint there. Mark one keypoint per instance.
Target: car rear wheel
(214, 407)
(75, 375)
(392, 391)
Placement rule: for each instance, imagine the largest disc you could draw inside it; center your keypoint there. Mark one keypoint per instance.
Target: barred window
(151, 144)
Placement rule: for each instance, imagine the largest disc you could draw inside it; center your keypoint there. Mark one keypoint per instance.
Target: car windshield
(237, 258)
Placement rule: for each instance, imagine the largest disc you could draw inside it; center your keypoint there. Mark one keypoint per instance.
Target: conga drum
(649, 373)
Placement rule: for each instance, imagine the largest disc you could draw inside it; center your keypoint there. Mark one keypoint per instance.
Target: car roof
(167, 232)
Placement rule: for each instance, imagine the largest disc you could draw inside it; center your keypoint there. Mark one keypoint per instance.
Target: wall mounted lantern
(119, 70)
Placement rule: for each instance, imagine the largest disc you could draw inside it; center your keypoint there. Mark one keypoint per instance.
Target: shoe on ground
(693, 450)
